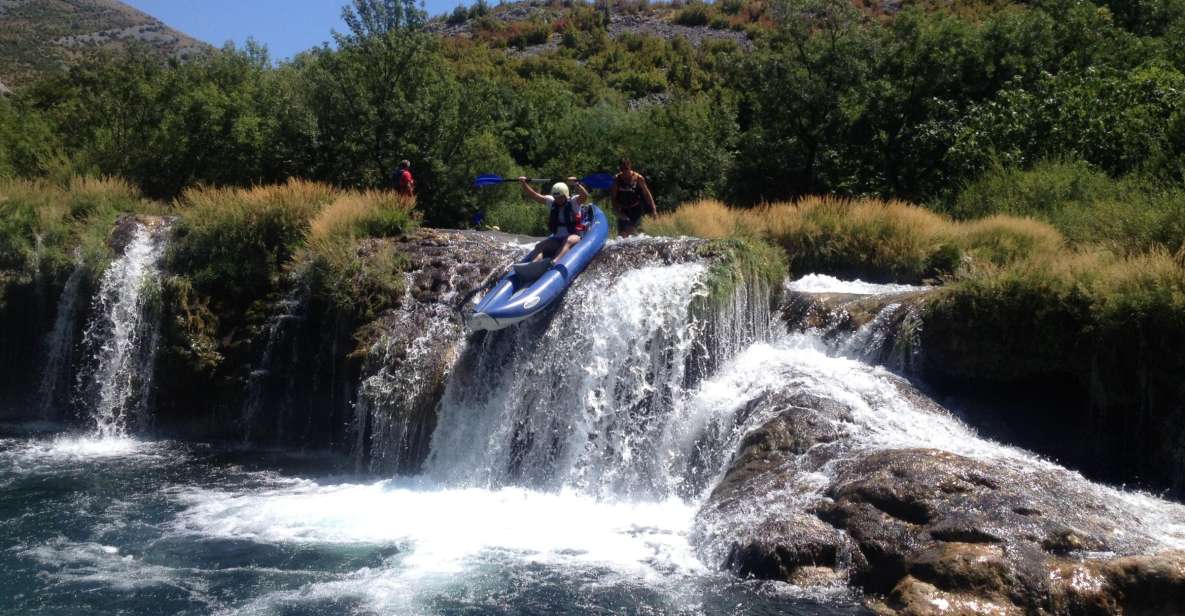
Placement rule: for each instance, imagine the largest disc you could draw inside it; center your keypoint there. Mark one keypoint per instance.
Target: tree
(800, 99)
(370, 19)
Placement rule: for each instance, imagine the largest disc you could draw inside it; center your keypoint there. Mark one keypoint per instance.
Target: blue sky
(285, 26)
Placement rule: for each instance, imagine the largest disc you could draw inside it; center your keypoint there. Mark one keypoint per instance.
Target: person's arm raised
(531, 192)
(580, 189)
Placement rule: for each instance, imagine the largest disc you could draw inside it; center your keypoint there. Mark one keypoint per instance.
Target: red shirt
(406, 184)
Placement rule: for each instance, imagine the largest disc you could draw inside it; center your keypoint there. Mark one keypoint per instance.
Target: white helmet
(560, 188)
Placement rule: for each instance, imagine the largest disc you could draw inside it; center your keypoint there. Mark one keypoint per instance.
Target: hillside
(537, 26)
(38, 36)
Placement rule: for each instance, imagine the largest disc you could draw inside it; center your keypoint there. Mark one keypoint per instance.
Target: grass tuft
(360, 278)
(47, 229)
(865, 238)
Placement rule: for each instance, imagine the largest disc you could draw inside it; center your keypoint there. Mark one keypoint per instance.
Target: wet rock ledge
(926, 531)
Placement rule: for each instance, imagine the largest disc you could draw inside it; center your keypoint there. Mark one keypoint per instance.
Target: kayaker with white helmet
(568, 218)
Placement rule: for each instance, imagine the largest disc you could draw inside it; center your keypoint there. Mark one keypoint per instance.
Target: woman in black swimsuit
(630, 197)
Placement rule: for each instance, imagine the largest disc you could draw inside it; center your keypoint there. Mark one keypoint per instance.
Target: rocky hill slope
(39, 36)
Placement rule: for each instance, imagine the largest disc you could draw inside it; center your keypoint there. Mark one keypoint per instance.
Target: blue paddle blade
(487, 179)
(598, 181)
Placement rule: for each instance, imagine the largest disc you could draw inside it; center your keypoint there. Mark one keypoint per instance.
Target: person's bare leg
(572, 241)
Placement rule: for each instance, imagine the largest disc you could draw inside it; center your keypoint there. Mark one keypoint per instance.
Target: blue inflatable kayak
(517, 296)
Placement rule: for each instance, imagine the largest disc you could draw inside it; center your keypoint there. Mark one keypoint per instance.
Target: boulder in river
(928, 531)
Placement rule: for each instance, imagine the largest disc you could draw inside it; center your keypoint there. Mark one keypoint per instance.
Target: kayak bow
(516, 298)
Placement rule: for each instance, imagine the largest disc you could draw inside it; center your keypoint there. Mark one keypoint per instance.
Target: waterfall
(590, 396)
(891, 338)
(60, 344)
(122, 335)
(262, 382)
(404, 373)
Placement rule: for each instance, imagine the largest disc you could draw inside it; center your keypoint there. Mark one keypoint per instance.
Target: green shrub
(233, 243)
(719, 22)
(459, 16)
(360, 279)
(637, 84)
(1042, 191)
(518, 217)
(348, 258)
(695, 14)
(744, 262)
(1130, 215)
(731, 7)
(234, 251)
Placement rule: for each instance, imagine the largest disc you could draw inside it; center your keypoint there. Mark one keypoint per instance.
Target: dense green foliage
(1130, 214)
(830, 99)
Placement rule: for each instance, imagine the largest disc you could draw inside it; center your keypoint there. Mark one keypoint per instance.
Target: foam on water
(80, 448)
(89, 563)
(442, 533)
(441, 528)
(822, 283)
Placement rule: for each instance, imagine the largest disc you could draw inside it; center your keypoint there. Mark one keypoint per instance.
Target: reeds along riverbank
(989, 263)
(47, 229)
(868, 238)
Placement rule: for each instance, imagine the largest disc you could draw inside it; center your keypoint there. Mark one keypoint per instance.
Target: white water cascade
(402, 380)
(588, 400)
(122, 335)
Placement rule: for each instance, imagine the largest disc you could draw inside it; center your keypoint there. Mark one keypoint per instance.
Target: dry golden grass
(352, 212)
(893, 240)
(709, 219)
(866, 237)
(300, 197)
(107, 187)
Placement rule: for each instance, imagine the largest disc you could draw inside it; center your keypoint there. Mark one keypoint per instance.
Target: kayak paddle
(596, 181)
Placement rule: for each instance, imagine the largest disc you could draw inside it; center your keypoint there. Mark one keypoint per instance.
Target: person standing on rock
(405, 184)
(630, 192)
(568, 218)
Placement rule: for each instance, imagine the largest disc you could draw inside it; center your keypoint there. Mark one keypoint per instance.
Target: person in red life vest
(568, 219)
(629, 191)
(404, 183)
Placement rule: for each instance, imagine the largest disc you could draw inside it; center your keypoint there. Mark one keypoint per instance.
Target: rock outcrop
(1108, 404)
(415, 345)
(927, 531)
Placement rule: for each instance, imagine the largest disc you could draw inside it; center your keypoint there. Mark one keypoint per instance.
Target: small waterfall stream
(59, 344)
(270, 383)
(121, 337)
(403, 377)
